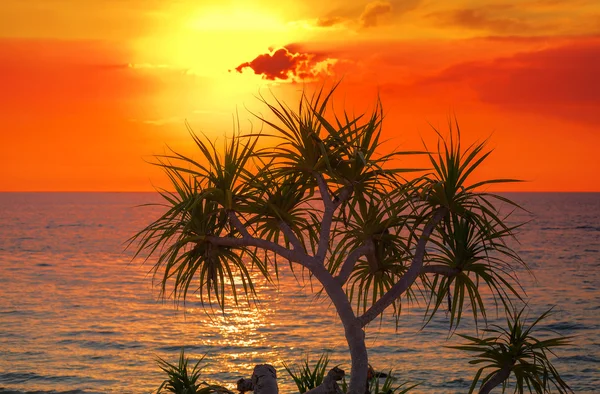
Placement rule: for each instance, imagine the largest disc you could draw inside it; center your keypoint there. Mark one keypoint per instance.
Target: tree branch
(237, 223)
(330, 207)
(291, 236)
(293, 256)
(441, 270)
(323, 190)
(298, 255)
(410, 276)
(351, 260)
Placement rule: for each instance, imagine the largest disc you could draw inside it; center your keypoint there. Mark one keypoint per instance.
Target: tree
(327, 201)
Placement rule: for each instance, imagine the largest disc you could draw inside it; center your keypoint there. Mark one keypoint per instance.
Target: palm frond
(473, 240)
(517, 350)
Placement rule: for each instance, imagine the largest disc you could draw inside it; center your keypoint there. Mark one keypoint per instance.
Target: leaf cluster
(517, 349)
(185, 379)
(472, 243)
(307, 377)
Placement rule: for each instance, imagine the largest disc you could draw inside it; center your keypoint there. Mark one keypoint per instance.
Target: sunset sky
(90, 90)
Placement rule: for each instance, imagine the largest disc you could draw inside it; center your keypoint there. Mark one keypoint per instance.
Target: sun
(211, 41)
(235, 20)
(193, 54)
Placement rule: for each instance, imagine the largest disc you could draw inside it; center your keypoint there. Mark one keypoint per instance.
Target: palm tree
(326, 200)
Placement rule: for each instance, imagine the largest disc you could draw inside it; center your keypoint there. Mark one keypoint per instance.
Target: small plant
(308, 378)
(387, 387)
(516, 352)
(183, 380)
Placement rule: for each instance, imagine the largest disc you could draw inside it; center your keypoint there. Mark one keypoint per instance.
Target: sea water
(77, 314)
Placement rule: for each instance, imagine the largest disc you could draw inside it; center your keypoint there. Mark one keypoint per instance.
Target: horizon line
(156, 191)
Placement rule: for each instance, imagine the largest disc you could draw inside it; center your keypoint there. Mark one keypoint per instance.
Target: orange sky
(90, 90)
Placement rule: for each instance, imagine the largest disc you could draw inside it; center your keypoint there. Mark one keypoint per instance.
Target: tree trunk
(495, 380)
(264, 376)
(355, 336)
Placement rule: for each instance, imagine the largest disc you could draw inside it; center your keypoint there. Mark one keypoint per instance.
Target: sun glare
(211, 42)
(236, 20)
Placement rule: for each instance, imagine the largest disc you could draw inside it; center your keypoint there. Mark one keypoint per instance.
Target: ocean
(78, 315)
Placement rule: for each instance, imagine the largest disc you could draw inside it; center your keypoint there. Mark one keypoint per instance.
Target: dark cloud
(560, 81)
(316, 56)
(488, 18)
(373, 11)
(285, 63)
(273, 66)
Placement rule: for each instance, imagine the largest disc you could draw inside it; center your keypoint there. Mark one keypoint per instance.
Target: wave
(566, 326)
(91, 344)
(20, 379)
(53, 225)
(23, 377)
(10, 391)
(585, 227)
(581, 358)
(89, 332)
(186, 347)
(588, 228)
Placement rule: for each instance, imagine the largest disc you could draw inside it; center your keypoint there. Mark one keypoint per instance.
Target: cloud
(287, 64)
(48, 75)
(372, 13)
(477, 19)
(499, 18)
(559, 81)
(330, 21)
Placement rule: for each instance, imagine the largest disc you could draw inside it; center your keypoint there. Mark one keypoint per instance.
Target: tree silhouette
(325, 199)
